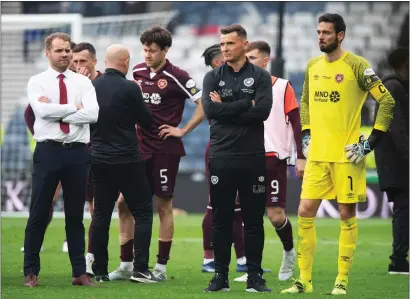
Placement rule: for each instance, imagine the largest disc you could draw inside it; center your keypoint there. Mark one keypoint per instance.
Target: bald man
(117, 166)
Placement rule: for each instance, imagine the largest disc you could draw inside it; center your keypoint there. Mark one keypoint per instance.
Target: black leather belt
(66, 145)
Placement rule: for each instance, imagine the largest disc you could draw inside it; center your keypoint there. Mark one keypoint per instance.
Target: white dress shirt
(48, 115)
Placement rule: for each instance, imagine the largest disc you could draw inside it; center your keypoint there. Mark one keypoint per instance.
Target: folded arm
(89, 113)
(46, 111)
(220, 111)
(263, 103)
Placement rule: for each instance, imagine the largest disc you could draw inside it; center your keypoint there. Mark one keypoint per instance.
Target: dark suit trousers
(131, 180)
(400, 221)
(52, 163)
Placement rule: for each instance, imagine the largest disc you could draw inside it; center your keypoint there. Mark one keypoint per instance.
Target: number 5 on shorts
(164, 178)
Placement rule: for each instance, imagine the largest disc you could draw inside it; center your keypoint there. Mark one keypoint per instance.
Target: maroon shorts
(276, 173)
(162, 170)
(89, 195)
(207, 158)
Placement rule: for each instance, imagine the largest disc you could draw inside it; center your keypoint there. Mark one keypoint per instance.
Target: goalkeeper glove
(356, 152)
(305, 142)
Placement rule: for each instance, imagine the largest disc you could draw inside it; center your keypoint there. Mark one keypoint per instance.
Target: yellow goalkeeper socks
(306, 246)
(347, 247)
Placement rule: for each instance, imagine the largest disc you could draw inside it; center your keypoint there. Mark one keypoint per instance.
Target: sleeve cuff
(380, 128)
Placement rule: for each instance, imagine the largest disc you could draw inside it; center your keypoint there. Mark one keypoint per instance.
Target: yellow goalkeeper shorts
(345, 182)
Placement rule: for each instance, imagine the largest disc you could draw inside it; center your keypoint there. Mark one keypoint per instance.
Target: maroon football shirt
(164, 93)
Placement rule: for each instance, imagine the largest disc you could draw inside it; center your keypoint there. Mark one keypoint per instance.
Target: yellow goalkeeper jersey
(331, 104)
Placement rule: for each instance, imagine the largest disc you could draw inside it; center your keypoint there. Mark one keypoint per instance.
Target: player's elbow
(39, 111)
(93, 115)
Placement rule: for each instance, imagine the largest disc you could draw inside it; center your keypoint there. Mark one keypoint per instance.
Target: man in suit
(392, 160)
(64, 104)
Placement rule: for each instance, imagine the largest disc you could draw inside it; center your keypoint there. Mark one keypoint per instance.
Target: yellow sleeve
(304, 101)
(368, 81)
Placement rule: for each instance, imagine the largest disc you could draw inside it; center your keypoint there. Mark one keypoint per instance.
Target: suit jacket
(392, 153)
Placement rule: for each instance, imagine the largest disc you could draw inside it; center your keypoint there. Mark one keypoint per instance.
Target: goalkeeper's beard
(331, 47)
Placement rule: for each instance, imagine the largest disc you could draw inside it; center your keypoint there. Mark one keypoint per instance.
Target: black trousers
(131, 180)
(52, 163)
(400, 199)
(227, 177)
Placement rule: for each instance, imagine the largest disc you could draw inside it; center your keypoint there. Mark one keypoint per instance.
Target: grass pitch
(368, 279)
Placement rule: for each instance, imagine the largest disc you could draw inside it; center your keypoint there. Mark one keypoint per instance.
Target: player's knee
(276, 216)
(123, 211)
(347, 211)
(164, 205)
(308, 208)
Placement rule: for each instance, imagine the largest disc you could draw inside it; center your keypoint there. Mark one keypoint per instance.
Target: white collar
(55, 74)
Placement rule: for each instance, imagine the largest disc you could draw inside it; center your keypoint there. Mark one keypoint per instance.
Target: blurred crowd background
(373, 29)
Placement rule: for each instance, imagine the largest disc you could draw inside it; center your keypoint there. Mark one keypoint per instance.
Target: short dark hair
(398, 57)
(260, 45)
(157, 34)
(72, 45)
(334, 18)
(234, 28)
(61, 35)
(210, 53)
(85, 46)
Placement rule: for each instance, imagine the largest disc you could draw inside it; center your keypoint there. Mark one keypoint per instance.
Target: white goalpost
(22, 46)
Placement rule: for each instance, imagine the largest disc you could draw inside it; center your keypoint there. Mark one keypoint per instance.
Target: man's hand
(305, 143)
(79, 106)
(215, 97)
(356, 152)
(168, 131)
(83, 71)
(300, 168)
(43, 99)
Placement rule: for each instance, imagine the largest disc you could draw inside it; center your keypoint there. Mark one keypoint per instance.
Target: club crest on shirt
(248, 82)
(339, 78)
(162, 83)
(214, 179)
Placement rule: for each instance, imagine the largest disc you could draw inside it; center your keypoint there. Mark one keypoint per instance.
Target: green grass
(368, 279)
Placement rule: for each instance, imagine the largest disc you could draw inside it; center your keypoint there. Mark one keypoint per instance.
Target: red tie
(63, 100)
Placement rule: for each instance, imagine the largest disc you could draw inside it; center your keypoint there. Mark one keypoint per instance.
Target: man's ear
(246, 43)
(341, 36)
(266, 61)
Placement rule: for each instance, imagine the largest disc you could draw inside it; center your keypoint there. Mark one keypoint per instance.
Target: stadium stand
(196, 26)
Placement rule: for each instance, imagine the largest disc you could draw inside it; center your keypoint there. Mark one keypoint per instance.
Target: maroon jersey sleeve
(184, 81)
(30, 118)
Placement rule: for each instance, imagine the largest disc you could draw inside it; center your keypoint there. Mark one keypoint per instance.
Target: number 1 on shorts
(351, 182)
